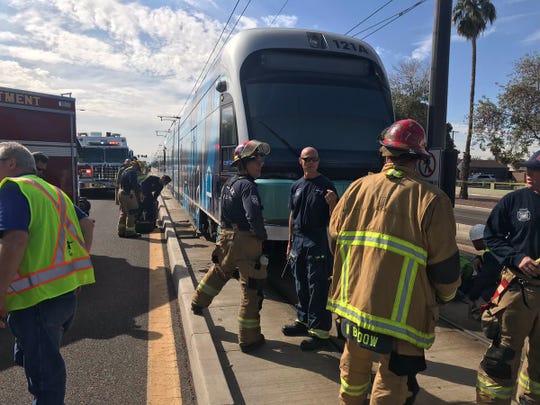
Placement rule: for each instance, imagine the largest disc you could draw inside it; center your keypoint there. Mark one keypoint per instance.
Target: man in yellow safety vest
(44, 259)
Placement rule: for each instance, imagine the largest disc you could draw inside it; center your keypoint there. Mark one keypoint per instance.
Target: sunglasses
(309, 159)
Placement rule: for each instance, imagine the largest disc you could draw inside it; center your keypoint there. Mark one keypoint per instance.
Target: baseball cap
(533, 162)
(477, 232)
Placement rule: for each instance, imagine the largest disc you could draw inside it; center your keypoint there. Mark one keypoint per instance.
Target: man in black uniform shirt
(512, 235)
(239, 246)
(313, 197)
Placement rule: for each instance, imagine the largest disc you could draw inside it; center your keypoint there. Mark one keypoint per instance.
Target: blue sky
(126, 62)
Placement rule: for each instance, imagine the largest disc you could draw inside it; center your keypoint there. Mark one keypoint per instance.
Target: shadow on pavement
(109, 308)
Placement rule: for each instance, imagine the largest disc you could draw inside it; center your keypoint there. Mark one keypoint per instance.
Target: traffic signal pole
(438, 95)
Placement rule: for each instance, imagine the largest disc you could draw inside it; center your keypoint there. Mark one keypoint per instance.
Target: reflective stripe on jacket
(395, 255)
(55, 260)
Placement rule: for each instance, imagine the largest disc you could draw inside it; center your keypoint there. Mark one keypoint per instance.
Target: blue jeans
(38, 332)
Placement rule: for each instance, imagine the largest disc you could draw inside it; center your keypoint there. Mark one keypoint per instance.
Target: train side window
(228, 135)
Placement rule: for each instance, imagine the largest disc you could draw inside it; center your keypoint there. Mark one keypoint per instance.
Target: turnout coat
(395, 255)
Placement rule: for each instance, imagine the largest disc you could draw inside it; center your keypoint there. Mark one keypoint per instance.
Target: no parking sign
(430, 170)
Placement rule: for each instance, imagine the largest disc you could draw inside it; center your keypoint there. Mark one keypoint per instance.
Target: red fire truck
(100, 158)
(43, 123)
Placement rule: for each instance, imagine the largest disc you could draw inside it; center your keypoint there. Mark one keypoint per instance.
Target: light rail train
(291, 88)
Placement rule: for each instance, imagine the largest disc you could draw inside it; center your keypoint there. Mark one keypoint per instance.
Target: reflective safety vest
(395, 255)
(55, 261)
(396, 324)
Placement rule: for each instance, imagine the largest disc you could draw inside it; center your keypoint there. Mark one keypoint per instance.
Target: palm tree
(471, 18)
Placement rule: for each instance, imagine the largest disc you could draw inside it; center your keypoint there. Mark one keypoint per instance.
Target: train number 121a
(349, 46)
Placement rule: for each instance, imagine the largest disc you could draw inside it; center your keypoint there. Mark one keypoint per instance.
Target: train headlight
(317, 40)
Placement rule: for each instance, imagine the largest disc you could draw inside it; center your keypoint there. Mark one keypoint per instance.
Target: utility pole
(438, 96)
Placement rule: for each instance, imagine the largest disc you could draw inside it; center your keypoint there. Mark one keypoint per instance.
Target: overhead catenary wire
(195, 86)
(227, 39)
(279, 12)
(388, 20)
(369, 16)
(216, 55)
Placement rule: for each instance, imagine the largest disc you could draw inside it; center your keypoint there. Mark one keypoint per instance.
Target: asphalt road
(471, 215)
(107, 349)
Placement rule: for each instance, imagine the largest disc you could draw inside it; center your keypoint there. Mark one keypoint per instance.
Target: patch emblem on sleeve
(523, 215)
(254, 200)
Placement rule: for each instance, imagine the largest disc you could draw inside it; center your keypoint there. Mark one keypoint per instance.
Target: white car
(482, 178)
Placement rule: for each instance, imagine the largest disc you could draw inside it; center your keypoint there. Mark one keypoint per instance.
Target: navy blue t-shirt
(310, 212)
(15, 210)
(513, 228)
(241, 205)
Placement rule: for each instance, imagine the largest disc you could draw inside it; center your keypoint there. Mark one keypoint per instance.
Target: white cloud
(125, 63)
(246, 23)
(31, 54)
(286, 21)
(490, 30)
(422, 50)
(201, 3)
(15, 75)
(7, 36)
(513, 18)
(534, 37)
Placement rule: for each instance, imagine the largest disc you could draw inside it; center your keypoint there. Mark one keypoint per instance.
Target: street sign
(430, 170)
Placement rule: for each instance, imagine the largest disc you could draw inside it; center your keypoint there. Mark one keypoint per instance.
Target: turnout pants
(388, 388)
(237, 251)
(129, 209)
(310, 266)
(517, 312)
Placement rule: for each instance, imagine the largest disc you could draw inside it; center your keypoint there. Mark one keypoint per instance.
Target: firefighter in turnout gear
(239, 246)
(395, 260)
(512, 235)
(129, 201)
(126, 165)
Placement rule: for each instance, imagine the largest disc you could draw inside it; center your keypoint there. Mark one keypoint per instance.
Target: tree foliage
(507, 129)
(410, 94)
(471, 18)
(410, 91)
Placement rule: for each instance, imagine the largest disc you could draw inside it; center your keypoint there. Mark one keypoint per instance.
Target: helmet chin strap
(242, 169)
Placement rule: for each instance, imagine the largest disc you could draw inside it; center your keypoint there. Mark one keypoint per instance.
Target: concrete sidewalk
(279, 372)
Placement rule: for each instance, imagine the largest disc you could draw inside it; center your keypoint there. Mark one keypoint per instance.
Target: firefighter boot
(246, 348)
(196, 309)
(121, 231)
(313, 343)
(295, 329)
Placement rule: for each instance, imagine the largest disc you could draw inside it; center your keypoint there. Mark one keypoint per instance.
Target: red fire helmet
(407, 136)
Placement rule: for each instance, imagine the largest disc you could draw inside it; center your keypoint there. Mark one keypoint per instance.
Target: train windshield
(338, 104)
